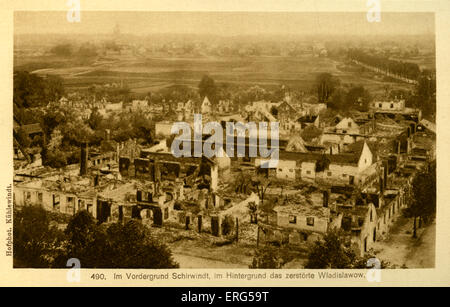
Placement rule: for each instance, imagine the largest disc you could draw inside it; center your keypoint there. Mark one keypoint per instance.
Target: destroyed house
(299, 218)
(303, 217)
(392, 105)
(393, 201)
(155, 166)
(100, 160)
(411, 114)
(361, 222)
(423, 146)
(57, 196)
(134, 200)
(347, 131)
(248, 143)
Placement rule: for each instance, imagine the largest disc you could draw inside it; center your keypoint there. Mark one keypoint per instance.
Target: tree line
(400, 68)
(40, 243)
(341, 97)
(345, 97)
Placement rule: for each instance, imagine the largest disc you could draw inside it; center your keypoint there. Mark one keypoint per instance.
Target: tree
(23, 138)
(399, 68)
(423, 205)
(86, 241)
(334, 251)
(81, 231)
(31, 90)
(274, 111)
(253, 211)
(53, 88)
(95, 120)
(142, 127)
(337, 101)
(242, 183)
(425, 96)
(326, 84)
(261, 183)
(207, 88)
(358, 98)
(64, 50)
(36, 243)
(77, 132)
(323, 163)
(52, 153)
(87, 50)
(267, 257)
(227, 225)
(133, 246)
(115, 246)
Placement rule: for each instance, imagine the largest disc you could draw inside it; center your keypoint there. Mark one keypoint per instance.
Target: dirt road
(402, 250)
(196, 262)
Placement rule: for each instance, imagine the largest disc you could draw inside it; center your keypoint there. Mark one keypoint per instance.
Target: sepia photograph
(223, 140)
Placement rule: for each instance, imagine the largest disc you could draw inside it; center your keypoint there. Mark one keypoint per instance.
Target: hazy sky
(224, 23)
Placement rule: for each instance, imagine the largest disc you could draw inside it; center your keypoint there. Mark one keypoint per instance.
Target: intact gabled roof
(307, 119)
(357, 148)
(346, 119)
(206, 100)
(345, 158)
(310, 133)
(297, 144)
(287, 103)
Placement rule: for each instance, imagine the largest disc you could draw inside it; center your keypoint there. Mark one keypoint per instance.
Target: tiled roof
(346, 158)
(307, 119)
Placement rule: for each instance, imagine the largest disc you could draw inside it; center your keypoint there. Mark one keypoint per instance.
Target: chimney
(107, 135)
(325, 198)
(117, 152)
(84, 159)
(385, 173)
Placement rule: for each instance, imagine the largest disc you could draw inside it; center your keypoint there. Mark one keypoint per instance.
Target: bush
(227, 225)
(115, 246)
(270, 257)
(36, 243)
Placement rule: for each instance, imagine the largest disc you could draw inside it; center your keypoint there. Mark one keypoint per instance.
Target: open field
(151, 74)
(424, 62)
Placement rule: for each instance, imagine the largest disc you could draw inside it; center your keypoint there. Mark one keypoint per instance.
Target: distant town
(95, 177)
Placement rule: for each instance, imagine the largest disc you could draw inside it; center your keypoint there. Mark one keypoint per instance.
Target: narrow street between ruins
(408, 252)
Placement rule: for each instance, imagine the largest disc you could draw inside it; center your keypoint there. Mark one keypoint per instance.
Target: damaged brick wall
(124, 166)
(143, 169)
